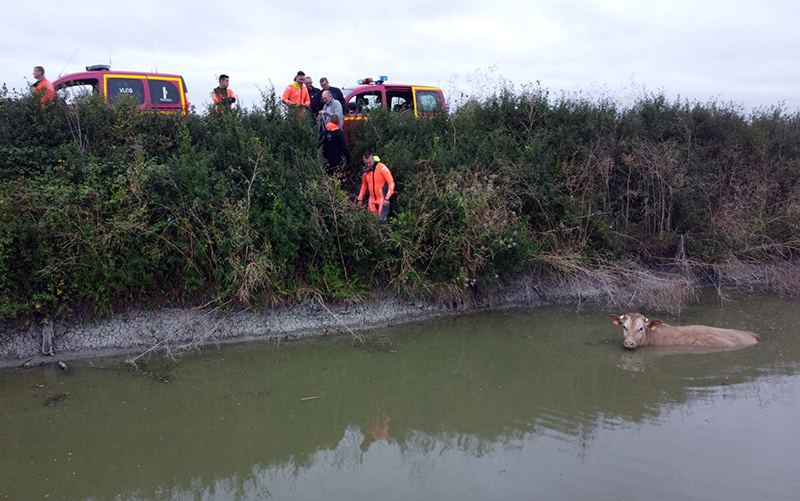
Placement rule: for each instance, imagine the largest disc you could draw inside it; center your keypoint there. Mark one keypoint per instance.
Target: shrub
(105, 207)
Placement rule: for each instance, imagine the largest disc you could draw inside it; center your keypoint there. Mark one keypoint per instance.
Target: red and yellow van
(151, 91)
(375, 93)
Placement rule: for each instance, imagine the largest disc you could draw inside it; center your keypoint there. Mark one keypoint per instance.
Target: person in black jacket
(334, 147)
(315, 95)
(335, 92)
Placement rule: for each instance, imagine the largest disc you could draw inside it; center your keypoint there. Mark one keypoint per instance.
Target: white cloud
(736, 50)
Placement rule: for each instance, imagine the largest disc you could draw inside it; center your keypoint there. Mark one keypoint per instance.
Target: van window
(428, 101)
(71, 91)
(364, 102)
(399, 100)
(163, 92)
(116, 88)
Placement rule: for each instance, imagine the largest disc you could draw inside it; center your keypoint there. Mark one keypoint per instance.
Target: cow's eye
(624, 327)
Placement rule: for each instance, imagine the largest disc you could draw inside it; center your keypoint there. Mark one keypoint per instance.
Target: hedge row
(101, 208)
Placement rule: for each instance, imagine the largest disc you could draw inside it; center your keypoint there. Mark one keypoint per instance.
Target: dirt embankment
(139, 331)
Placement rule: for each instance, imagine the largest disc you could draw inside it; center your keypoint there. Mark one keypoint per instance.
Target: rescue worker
(222, 96)
(43, 85)
(377, 179)
(334, 147)
(296, 93)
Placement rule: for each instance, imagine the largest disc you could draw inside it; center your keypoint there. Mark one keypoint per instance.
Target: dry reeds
(779, 277)
(626, 284)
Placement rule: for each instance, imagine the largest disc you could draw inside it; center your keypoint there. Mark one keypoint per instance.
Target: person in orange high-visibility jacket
(296, 92)
(377, 179)
(43, 85)
(222, 96)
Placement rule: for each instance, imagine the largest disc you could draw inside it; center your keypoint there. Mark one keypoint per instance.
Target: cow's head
(634, 328)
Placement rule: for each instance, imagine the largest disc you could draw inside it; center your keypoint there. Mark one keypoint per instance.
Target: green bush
(102, 208)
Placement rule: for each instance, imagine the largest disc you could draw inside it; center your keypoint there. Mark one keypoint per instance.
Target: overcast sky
(745, 52)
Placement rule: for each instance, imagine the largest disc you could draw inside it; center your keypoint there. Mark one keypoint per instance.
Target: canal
(539, 404)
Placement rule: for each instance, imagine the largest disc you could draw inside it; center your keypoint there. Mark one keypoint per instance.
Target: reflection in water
(377, 428)
(498, 406)
(638, 360)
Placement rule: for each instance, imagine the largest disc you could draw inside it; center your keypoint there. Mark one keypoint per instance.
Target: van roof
(97, 71)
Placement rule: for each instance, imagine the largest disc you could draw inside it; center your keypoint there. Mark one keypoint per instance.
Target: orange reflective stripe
(388, 181)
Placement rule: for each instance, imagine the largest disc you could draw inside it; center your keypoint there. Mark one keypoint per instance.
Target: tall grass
(102, 208)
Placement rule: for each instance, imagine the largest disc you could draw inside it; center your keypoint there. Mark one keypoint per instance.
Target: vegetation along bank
(105, 212)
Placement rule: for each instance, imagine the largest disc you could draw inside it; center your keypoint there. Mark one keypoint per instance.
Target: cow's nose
(629, 343)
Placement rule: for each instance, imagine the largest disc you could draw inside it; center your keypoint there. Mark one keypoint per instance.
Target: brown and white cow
(639, 331)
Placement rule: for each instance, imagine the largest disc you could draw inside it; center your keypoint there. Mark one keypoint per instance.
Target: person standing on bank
(331, 108)
(335, 92)
(296, 93)
(314, 96)
(222, 96)
(43, 85)
(334, 147)
(377, 179)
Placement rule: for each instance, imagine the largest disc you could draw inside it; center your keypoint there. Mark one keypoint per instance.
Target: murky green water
(527, 405)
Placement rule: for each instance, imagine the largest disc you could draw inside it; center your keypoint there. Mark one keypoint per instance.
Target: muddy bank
(137, 330)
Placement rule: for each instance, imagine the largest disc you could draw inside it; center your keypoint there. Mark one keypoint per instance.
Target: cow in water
(639, 331)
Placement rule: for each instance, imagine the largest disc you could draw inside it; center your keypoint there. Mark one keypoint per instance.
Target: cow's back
(701, 335)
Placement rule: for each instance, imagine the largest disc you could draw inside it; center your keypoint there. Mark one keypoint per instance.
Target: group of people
(327, 105)
(323, 103)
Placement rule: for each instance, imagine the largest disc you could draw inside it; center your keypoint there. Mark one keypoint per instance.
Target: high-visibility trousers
(375, 207)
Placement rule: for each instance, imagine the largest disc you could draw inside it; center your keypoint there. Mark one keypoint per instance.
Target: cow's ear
(616, 319)
(653, 324)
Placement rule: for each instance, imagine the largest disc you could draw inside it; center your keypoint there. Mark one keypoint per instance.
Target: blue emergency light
(376, 80)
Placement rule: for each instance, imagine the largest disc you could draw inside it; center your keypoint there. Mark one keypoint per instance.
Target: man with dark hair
(43, 85)
(377, 179)
(314, 96)
(335, 92)
(334, 147)
(296, 93)
(222, 95)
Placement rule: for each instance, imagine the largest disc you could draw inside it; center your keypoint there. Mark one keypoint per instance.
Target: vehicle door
(73, 90)
(118, 87)
(167, 94)
(399, 98)
(361, 103)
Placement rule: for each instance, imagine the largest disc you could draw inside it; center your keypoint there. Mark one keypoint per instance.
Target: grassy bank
(103, 208)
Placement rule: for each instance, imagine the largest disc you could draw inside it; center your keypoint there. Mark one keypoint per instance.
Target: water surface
(541, 404)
